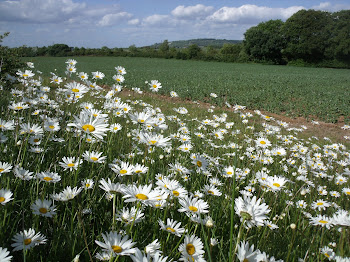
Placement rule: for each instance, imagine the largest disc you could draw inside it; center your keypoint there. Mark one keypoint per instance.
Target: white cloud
(134, 21)
(250, 14)
(192, 12)
(156, 20)
(327, 6)
(112, 19)
(38, 11)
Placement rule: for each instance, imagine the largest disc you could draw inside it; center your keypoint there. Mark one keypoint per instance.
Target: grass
(236, 153)
(313, 93)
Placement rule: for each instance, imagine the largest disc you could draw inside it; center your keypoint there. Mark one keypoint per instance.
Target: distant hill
(202, 42)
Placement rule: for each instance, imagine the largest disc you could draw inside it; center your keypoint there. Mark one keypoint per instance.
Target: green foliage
(307, 35)
(308, 92)
(265, 41)
(9, 63)
(59, 50)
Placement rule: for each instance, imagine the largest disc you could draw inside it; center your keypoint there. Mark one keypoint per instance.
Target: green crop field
(314, 93)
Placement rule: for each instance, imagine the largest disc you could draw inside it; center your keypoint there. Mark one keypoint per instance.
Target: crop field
(314, 93)
(93, 174)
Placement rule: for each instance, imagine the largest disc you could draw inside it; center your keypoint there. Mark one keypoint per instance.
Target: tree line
(307, 38)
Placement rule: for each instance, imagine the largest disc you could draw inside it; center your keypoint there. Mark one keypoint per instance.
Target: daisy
(94, 157)
(7, 125)
(193, 206)
(83, 76)
(56, 79)
(91, 125)
(22, 173)
(43, 208)
(321, 221)
(110, 187)
(5, 196)
(346, 191)
(153, 248)
(119, 78)
(211, 190)
(34, 129)
(98, 75)
(70, 69)
(228, 171)
(76, 89)
(26, 74)
(251, 211)
(87, 183)
(173, 94)
(191, 249)
(155, 85)
(320, 205)
(67, 194)
(140, 169)
(200, 162)
(27, 239)
(5, 168)
(117, 244)
(124, 169)
(246, 253)
(121, 70)
(18, 106)
(130, 216)
(49, 177)
(52, 126)
(71, 62)
(143, 194)
(114, 128)
(301, 204)
(4, 255)
(172, 227)
(262, 142)
(70, 163)
(276, 183)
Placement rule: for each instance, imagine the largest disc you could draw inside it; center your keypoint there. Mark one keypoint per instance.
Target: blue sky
(121, 23)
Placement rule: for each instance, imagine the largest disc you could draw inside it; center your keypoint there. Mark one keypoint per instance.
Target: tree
(193, 51)
(307, 34)
(9, 63)
(59, 50)
(265, 41)
(230, 52)
(339, 42)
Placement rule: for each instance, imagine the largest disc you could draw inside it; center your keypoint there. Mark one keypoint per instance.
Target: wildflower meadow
(96, 173)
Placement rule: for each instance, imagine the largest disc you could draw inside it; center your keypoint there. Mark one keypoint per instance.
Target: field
(122, 175)
(314, 93)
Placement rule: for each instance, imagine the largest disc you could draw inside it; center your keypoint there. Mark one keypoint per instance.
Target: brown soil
(323, 129)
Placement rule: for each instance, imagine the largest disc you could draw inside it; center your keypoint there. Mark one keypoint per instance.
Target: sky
(121, 23)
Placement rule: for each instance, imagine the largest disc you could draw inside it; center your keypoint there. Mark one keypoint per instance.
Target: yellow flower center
(276, 184)
(123, 171)
(1, 169)
(2, 199)
(36, 140)
(348, 192)
(94, 158)
(83, 76)
(176, 193)
(118, 79)
(319, 204)
(262, 142)
(170, 229)
(56, 80)
(193, 209)
(229, 173)
(141, 196)
(47, 178)
(25, 75)
(190, 249)
(51, 127)
(43, 210)
(211, 192)
(152, 142)
(75, 90)
(155, 86)
(71, 164)
(117, 249)
(138, 171)
(27, 241)
(88, 127)
(323, 221)
(18, 107)
(87, 185)
(199, 163)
